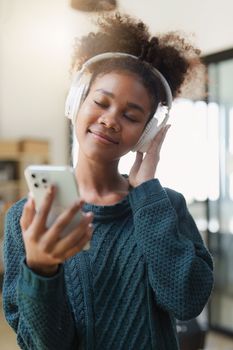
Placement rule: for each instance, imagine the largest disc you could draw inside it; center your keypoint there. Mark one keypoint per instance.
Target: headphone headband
(156, 72)
(70, 110)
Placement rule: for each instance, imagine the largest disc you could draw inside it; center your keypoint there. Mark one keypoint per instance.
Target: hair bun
(144, 50)
(154, 41)
(152, 48)
(171, 53)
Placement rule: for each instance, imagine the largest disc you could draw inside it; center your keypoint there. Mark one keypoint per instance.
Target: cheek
(86, 108)
(79, 127)
(132, 135)
(85, 113)
(85, 117)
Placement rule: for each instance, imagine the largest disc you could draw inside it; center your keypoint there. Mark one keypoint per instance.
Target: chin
(99, 155)
(102, 153)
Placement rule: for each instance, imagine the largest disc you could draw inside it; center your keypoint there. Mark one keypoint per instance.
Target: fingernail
(89, 214)
(51, 189)
(30, 195)
(29, 201)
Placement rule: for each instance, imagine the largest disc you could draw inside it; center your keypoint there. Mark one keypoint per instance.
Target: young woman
(147, 264)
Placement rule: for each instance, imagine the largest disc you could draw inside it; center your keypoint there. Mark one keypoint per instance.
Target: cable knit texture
(147, 265)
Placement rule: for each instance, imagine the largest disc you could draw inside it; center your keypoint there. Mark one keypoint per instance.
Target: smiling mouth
(102, 137)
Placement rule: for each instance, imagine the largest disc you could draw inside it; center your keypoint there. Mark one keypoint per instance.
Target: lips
(103, 136)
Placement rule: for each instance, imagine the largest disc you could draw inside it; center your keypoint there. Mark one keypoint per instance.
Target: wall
(209, 20)
(36, 40)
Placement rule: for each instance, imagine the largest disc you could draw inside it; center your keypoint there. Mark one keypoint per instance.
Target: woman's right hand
(45, 248)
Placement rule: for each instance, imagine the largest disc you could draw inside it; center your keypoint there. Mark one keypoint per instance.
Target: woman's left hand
(144, 169)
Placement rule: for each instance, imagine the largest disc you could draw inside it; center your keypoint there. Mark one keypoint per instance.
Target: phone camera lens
(44, 181)
(33, 176)
(36, 185)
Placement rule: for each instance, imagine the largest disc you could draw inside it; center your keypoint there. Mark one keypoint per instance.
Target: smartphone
(40, 177)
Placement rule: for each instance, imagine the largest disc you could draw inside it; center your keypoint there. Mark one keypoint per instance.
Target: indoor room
(184, 174)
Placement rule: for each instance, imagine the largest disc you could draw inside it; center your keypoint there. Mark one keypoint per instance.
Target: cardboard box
(9, 149)
(34, 146)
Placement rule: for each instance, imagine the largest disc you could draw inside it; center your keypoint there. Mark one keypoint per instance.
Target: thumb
(28, 214)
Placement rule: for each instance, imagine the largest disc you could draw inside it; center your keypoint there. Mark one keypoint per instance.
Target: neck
(100, 182)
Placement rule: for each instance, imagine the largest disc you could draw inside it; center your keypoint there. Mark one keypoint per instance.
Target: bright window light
(231, 131)
(213, 150)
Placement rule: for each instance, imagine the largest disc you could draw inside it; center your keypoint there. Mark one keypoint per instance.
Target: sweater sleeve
(179, 266)
(35, 306)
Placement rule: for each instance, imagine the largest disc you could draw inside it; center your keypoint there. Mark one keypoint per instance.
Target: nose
(110, 120)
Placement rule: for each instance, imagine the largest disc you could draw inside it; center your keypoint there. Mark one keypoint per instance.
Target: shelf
(9, 184)
(15, 156)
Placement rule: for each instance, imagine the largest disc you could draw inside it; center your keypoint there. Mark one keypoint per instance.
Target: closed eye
(101, 104)
(130, 118)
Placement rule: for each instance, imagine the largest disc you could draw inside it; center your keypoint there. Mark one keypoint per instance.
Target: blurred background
(36, 43)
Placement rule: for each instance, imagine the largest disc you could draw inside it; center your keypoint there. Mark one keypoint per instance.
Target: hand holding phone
(40, 177)
(47, 240)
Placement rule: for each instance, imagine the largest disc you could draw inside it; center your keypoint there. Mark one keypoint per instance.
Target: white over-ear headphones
(80, 87)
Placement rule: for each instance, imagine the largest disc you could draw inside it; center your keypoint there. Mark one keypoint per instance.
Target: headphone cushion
(76, 96)
(147, 136)
(79, 97)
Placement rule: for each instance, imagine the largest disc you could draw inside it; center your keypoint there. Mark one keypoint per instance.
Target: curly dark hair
(170, 53)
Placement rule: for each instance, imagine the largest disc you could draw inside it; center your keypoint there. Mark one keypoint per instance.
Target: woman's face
(113, 116)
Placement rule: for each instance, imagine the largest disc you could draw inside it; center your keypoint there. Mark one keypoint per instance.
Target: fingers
(77, 238)
(64, 219)
(53, 235)
(27, 214)
(81, 243)
(40, 219)
(158, 140)
(163, 135)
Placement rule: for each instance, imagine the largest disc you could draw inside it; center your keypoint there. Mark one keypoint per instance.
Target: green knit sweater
(147, 266)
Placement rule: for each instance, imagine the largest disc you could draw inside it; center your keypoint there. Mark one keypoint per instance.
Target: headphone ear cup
(79, 97)
(76, 95)
(147, 136)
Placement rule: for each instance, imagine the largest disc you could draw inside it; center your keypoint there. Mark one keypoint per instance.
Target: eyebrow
(129, 104)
